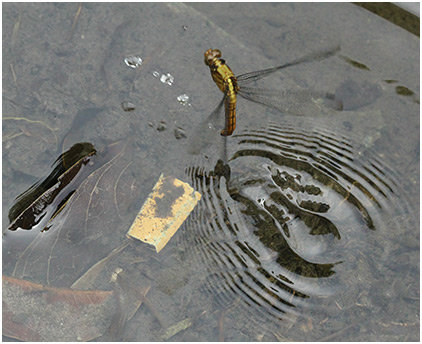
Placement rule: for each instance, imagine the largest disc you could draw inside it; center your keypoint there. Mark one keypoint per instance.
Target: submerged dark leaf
(89, 226)
(43, 200)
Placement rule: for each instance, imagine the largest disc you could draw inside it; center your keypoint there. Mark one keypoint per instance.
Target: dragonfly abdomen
(227, 83)
(230, 107)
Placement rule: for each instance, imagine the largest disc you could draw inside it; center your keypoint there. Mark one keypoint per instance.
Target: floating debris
(354, 63)
(128, 106)
(183, 99)
(133, 61)
(404, 91)
(166, 208)
(167, 79)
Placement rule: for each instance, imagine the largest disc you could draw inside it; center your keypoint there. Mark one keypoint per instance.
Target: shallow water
(296, 228)
(308, 226)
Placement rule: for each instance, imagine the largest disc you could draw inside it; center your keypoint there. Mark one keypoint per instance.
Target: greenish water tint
(308, 226)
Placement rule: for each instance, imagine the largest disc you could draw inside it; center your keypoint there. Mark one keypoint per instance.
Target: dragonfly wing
(315, 56)
(295, 102)
(208, 131)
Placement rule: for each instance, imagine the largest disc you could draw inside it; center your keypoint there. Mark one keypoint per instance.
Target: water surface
(308, 226)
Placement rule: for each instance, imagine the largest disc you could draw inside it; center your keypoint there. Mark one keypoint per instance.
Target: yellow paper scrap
(166, 208)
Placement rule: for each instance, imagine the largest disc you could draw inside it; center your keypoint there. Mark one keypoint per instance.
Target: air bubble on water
(133, 61)
(183, 99)
(167, 79)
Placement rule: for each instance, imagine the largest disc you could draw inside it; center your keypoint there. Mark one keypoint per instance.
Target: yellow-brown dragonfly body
(227, 83)
(232, 86)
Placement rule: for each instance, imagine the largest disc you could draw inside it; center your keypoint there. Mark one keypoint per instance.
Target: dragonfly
(289, 101)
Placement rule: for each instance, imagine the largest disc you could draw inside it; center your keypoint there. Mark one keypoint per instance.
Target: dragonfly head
(210, 55)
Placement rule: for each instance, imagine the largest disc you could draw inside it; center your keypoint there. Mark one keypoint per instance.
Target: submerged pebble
(179, 133)
(162, 126)
(128, 106)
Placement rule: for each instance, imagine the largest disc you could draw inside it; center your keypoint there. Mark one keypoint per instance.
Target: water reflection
(279, 225)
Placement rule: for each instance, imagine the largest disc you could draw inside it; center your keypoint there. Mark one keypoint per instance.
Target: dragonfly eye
(210, 54)
(217, 53)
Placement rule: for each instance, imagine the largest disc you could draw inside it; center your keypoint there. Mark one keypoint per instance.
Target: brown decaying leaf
(128, 302)
(34, 312)
(15, 329)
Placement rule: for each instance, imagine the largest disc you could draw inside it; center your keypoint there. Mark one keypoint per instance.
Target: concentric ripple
(281, 227)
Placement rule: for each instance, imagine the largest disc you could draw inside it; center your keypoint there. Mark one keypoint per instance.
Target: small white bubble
(167, 79)
(183, 99)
